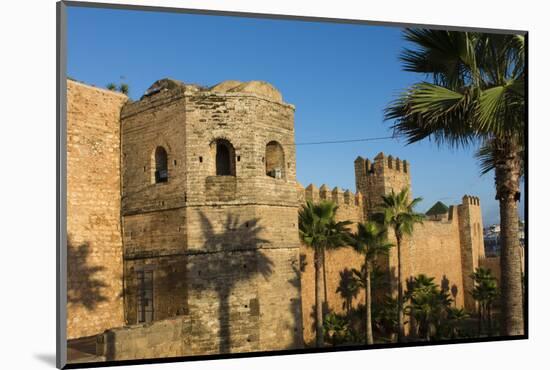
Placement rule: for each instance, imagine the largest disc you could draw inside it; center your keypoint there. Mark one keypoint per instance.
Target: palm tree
(319, 230)
(337, 328)
(485, 292)
(370, 240)
(475, 96)
(429, 305)
(398, 213)
(455, 317)
(385, 316)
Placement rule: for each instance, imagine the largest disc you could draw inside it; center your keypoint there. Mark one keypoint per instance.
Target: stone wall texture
(223, 249)
(350, 207)
(434, 249)
(493, 264)
(447, 247)
(94, 257)
(214, 222)
(165, 338)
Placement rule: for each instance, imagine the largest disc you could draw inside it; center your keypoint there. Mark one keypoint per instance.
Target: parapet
(300, 193)
(337, 195)
(163, 85)
(161, 92)
(167, 89)
(260, 88)
(380, 164)
(470, 200)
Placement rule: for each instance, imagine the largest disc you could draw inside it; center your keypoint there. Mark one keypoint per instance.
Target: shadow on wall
(223, 268)
(446, 288)
(325, 309)
(296, 309)
(348, 289)
(84, 287)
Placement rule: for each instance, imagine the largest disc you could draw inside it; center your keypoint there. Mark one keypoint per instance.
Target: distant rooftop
(438, 209)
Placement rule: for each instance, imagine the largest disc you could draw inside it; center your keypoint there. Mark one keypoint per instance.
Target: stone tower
(209, 211)
(379, 178)
(471, 243)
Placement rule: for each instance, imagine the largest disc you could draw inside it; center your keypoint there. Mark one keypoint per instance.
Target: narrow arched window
(274, 160)
(161, 165)
(224, 157)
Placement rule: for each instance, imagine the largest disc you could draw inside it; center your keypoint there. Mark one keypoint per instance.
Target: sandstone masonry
(94, 286)
(183, 223)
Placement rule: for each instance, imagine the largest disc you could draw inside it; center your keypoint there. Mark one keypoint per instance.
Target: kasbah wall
(94, 286)
(182, 223)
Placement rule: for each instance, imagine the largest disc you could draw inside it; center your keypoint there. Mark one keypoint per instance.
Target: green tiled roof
(438, 209)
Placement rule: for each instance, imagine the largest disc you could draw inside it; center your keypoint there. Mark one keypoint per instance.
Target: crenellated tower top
(380, 177)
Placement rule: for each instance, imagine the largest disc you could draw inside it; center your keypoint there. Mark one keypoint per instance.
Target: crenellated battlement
(470, 200)
(380, 165)
(376, 178)
(337, 195)
(390, 163)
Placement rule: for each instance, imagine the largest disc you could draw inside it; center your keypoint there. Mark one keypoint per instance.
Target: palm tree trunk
(325, 301)
(368, 304)
(318, 299)
(400, 317)
(427, 330)
(507, 176)
(479, 320)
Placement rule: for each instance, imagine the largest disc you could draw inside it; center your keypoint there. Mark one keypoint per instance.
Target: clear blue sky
(340, 77)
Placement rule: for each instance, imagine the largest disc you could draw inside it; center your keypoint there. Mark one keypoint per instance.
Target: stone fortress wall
(350, 207)
(200, 202)
(94, 258)
(227, 244)
(447, 246)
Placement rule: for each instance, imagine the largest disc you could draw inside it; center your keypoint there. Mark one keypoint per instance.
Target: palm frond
(485, 156)
(427, 110)
(447, 56)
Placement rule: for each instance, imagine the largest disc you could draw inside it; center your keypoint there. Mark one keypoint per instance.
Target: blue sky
(340, 77)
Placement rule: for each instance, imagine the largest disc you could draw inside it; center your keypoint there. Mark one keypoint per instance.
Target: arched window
(224, 153)
(161, 165)
(274, 160)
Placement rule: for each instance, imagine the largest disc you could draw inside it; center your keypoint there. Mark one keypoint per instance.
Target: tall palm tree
(398, 214)
(475, 95)
(320, 231)
(370, 240)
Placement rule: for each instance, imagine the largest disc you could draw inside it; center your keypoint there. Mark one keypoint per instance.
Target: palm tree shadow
(348, 289)
(296, 307)
(445, 284)
(83, 285)
(229, 257)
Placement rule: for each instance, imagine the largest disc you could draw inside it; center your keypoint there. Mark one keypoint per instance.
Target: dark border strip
(287, 352)
(61, 186)
(526, 199)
